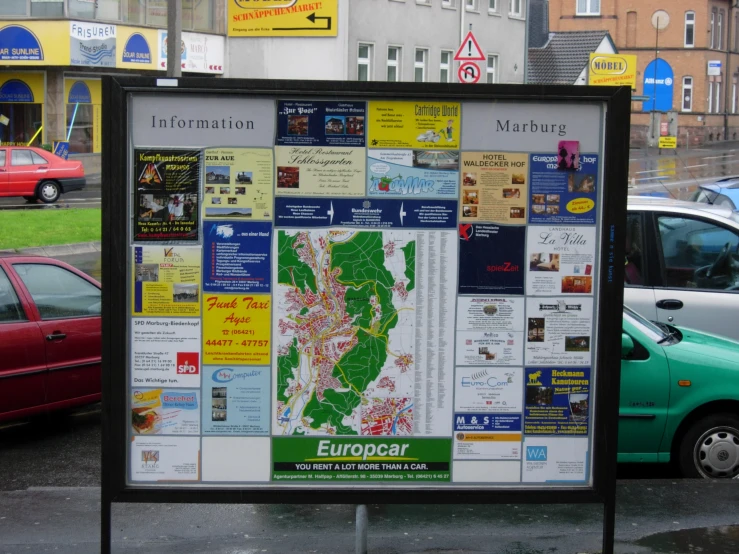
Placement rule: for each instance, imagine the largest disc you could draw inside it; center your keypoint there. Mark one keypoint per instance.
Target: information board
(347, 292)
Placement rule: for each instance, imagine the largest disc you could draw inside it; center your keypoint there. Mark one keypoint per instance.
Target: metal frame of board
(115, 251)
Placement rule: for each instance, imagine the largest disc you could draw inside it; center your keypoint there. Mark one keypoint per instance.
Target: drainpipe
(462, 9)
(527, 22)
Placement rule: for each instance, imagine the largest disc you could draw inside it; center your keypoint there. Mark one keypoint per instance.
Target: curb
(57, 250)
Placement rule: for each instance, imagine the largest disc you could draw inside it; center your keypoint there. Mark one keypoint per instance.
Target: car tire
(31, 198)
(49, 192)
(710, 448)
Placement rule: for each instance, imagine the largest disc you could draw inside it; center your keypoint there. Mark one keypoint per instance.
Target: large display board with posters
(361, 293)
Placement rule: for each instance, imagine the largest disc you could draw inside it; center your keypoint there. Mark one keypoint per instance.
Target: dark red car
(50, 337)
(36, 174)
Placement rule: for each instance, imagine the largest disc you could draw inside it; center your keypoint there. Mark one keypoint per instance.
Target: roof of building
(564, 57)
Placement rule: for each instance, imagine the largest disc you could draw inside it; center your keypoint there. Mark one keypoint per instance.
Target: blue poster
(236, 256)
(658, 86)
(557, 400)
(487, 422)
(320, 123)
(235, 400)
(325, 212)
(491, 259)
(413, 173)
(563, 196)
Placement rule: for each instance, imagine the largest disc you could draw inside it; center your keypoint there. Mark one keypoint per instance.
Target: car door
(26, 169)
(68, 309)
(691, 294)
(4, 185)
(22, 357)
(645, 393)
(638, 290)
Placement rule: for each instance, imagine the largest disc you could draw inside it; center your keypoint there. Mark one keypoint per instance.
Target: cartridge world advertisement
(421, 125)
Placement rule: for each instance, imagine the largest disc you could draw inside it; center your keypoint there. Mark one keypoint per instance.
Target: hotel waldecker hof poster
(362, 291)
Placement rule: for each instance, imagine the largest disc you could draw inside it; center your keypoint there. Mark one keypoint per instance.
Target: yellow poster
(612, 70)
(167, 280)
(494, 187)
(426, 125)
(24, 42)
(136, 48)
(238, 183)
(320, 170)
(283, 18)
(236, 329)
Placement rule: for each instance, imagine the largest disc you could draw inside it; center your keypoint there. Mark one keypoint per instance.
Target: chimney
(538, 23)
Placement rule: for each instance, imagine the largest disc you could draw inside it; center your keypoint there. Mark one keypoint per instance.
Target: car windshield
(651, 330)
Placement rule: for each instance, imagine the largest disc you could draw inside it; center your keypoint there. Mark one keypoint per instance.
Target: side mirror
(627, 346)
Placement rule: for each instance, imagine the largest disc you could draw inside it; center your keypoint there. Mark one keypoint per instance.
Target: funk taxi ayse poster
(166, 184)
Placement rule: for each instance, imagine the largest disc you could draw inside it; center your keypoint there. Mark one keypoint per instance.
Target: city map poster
(561, 260)
(321, 123)
(236, 329)
(236, 400)
(236, 256)
(166, 184)
(557, 401)
(331, 171)
(413, 173)
(559, 331)
(167, 280)
(490, 331)
(491, 259)
(238, 183)
(330, 458)
(165, 352)
(415, 125)
(494, 187)
(563, 197)
(165, 458)
(165, 412)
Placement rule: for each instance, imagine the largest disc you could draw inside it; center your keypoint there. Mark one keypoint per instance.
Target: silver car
(682, 264)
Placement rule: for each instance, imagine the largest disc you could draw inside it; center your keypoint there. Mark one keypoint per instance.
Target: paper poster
(165, 352)
(238, 183)
(236, 400)
(491, 259)
(423, 125)
(561, 260)
(161, 458)
(562, 197)
(319, 123)
(494, 187)
(413, 173)
(237, 256)
(487, 389)
(484, 436)
(236, 329)
(320, 171)
(166, 280)
(167, 184)
(559, 331)
(557, 401)
(490, 331)
(165, 412)
(555, 459)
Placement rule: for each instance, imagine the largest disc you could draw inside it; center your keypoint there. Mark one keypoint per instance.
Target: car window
(58, 292)
(2, 157)
(10, 307)
(644, 325)
(38, 159)
(698, 254)
(703, 196)
(21, 157)
(633, 272)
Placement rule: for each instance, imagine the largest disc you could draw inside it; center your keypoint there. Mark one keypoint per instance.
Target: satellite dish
(660, 19)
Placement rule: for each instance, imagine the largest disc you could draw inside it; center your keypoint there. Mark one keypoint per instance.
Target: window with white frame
(514, 8)
(393, 63)
(470, 5)
(491, 69)
(687, 94)
(714, 17)
(419, 65)
(364, 62)
(493, 6)
(447, 3)
(733, 97)
(720, 30)
(445, 66)
(689, 40)
(588, 7)
(714, 97)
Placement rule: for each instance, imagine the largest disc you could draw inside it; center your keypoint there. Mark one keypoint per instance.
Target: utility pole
(174, 38)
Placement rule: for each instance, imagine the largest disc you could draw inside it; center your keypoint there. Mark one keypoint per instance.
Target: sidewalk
(652, 517)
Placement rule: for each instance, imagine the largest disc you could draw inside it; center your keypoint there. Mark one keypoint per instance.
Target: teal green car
(679, 398)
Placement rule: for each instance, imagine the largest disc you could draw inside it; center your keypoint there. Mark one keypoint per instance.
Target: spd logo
(536, 453)
(188, 363)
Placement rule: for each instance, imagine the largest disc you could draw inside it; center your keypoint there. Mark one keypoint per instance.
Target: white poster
(165, 458)
(487, 446)
(490, 331)
(558, 459)
(487, 389)
(561, 260)
(559, 331)
(165, 352)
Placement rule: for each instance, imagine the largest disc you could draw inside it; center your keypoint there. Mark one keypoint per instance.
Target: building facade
(687, 61)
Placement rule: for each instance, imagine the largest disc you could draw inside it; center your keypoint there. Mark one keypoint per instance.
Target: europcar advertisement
(363, 291)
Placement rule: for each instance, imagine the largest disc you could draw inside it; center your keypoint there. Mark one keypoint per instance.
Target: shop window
(14, 7)
(81, 135)
(197, 15)
(103, 10)
(24, 120)
(47, 8)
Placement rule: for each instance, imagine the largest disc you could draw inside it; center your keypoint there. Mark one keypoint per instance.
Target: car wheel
(31, 198)
(49, 192)
(710, 448)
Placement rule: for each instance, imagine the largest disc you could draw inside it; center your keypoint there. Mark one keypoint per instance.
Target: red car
(50, 337)
(34, 173)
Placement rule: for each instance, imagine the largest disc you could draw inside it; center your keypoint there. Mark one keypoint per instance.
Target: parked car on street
(36, 174)
(50, 337)
(682, 264)
(724, 192)
(679, 398)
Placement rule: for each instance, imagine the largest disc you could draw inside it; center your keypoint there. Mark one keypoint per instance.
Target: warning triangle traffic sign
(469, 50)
